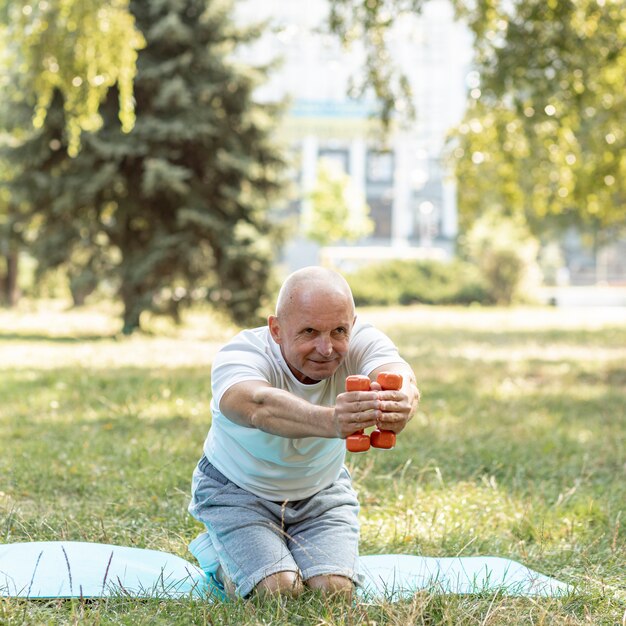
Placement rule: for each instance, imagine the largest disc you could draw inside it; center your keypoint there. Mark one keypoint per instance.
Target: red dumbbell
(386, 439)
(358, 441)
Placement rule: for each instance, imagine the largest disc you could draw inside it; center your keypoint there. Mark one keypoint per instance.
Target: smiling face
(313, 325)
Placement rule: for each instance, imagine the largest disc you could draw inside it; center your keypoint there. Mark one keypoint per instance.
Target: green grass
(518, 450)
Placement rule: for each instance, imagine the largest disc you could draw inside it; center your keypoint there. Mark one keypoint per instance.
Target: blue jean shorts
(255, 538)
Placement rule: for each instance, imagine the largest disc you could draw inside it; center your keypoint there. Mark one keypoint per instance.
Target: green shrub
(412, 282)
(505, 253)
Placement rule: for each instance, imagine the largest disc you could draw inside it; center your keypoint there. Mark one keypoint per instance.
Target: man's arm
(255, 404)
(397, 407)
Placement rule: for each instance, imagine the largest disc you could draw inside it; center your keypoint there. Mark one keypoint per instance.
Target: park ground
(518, 450)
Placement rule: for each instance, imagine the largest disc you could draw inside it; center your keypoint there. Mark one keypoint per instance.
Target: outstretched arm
(255, 404)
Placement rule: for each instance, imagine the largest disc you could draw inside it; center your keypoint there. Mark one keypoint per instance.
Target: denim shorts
(255, 538)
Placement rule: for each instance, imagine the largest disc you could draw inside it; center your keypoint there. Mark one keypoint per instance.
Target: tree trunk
(81, 286)
(132, 310)
(10, 292)
(131, 320)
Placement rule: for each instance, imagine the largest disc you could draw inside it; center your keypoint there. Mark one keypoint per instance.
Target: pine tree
(40, 206)
(181, 203)
(29, 166)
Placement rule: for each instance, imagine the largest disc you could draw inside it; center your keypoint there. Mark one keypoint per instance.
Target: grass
(518, 450)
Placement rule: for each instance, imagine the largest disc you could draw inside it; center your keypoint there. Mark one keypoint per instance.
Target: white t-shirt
(273, 467)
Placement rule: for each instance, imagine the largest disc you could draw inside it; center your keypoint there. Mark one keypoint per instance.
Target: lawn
(518, 450)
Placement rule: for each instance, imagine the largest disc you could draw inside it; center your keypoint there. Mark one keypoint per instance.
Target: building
(403, 178)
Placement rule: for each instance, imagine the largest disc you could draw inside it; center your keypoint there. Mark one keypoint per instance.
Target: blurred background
(178, 152)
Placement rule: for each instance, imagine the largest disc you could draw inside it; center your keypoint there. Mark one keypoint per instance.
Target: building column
(449, 210)
(310, 148)
(401, 208)
(358, 151)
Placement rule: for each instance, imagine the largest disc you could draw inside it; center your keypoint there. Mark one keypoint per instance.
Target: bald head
(313, 322)
(312, 282)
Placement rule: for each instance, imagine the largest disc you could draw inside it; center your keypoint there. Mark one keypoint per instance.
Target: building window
(339, 157)
(380, 213)
(379, 168)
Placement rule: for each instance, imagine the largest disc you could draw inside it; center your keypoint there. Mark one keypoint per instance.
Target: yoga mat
(396, 576)
(74, 569)
(67, 569)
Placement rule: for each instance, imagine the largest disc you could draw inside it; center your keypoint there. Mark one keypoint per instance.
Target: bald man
(271, 486)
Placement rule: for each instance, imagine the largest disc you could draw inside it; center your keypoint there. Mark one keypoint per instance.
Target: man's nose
(324, 345)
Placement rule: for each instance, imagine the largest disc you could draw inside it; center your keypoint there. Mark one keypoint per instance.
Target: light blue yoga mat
(396, 576)
(73, 569)
(66, 569)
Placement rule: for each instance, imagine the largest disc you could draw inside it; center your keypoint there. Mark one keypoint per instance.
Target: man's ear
(274, 326)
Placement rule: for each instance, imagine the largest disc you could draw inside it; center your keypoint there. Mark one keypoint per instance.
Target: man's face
(313, 334)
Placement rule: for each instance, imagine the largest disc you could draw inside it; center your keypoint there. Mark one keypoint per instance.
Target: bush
(505, 253)
(412, 282)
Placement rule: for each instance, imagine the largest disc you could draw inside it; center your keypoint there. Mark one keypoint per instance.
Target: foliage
(517, 457)
(177, 208)
(410, 282)
(79, 47)
(498, 265)
(544, 134)
(15, 115)
(506, 255)
(369, 23)
(36, 164)
(338, 212)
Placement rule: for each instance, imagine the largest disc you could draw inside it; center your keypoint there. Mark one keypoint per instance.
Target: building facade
(403, 177)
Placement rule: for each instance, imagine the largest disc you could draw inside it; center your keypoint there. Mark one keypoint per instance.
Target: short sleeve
(244, 358)
(371, 348)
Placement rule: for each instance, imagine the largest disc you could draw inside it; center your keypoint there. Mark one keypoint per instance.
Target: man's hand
(356, 410)
(396, 407)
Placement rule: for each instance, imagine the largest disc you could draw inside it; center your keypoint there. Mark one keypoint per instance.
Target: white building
(412, 200)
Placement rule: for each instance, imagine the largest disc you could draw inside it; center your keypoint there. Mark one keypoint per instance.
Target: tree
(543, 136)
(338, 211)
(9, 248)
(548, 69)
(179, 204)
(15, 126)
(7, 290)
(78, 47)
(505, 252)
(370, 23)
(544, 133)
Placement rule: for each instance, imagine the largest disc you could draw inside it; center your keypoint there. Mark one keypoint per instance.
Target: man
(271, 487)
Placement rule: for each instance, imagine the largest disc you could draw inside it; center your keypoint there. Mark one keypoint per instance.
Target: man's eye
(308, 331)
(341, 331)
